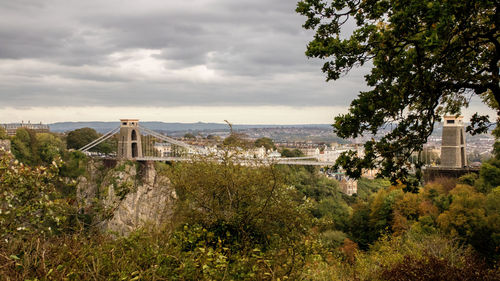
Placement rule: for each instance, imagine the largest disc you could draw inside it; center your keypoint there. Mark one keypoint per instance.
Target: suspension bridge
(136, 142)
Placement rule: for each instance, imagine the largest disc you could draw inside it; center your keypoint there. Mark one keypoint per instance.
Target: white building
(310, 151)
(164, 149)
(330, 154)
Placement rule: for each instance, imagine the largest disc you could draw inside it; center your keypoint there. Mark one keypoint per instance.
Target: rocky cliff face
(132, 194)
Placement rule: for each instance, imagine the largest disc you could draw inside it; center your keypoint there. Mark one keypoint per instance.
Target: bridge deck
(151, 150)
(283, 161)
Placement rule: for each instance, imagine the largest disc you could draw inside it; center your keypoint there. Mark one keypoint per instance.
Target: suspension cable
(99, 140)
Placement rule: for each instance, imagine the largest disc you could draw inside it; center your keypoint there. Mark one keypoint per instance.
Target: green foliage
(492, 207)
(3, 133)
(21, 151)
(252, 203)
(49, 147)
(381, 209)
(29, 201)
(74, 165)
(78, 138)
(360, 228)
(468, 179)
(310, 183)
(24, 145)
(189, 136)
(334, 209)
(236, 140)
(190, 253)
(291, 152)
(34, 149)
(417, 256)
(468, 219)
(489, 175)
(24, 135)
(401, 258)
(428, 58)
(255, 222)
(267, 143)
(332, 239)
(430, 267)
(122, 189)
(367, 187)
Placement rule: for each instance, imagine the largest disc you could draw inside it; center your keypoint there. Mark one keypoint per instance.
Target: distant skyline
(277, 115)
(170, 61)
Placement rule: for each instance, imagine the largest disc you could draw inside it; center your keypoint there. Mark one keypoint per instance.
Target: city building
(330, 154)
(273, 154)
(12, 127)
(348, 186)
(257, 152)
(310, 151)
(163, 148)
(370, 173)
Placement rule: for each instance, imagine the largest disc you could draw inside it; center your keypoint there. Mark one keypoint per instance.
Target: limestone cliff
(132, 194)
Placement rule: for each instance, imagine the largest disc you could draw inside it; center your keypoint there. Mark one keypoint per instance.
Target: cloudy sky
(171, 61)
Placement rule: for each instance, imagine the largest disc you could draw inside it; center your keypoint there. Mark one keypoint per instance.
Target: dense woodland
(234, 222)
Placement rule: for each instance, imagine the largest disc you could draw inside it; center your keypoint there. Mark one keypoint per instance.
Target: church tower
(129, 142)
(453, 154)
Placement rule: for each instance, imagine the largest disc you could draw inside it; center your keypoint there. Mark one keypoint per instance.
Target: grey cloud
(256, 48)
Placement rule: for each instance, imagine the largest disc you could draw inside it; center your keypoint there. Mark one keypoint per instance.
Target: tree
(467, 218)
(267, 143)
(291, 152)
(429, 57)
(25, 146)
(253, 204)
(35, 149)
(489, 175)
(189, 136)
(3, 133)
(237, 140)
(80, 137)
(49, 147)
(30, 202)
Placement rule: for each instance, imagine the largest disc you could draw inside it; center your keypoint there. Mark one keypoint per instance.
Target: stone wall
(433, 173)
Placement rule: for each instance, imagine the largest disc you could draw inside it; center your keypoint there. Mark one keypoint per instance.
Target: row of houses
(169, 150)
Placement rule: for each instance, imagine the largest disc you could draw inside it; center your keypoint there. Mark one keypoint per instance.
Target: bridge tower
(453, 152)
(129, 139)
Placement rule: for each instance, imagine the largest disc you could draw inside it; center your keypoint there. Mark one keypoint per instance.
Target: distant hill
(103, 127)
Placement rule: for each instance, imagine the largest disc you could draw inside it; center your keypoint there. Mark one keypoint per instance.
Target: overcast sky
(171, 61)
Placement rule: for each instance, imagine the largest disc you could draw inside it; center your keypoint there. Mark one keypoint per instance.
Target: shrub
(430, 267)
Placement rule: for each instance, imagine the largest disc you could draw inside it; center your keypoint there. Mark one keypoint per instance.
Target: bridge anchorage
(135, 142)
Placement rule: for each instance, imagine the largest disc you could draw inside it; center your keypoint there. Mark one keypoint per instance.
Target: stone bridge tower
(453, 154)
(129, 139)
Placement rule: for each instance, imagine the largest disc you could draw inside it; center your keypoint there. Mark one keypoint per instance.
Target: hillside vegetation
(261, 222)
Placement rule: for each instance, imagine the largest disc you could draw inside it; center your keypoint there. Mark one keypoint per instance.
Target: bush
(252, 203)
(430, 267)
(29, 201)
